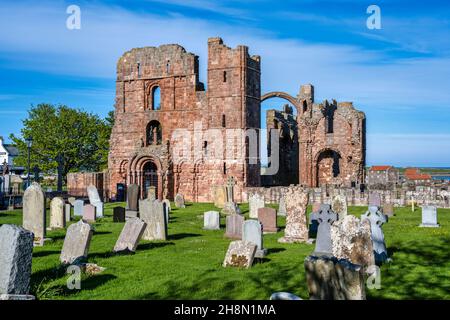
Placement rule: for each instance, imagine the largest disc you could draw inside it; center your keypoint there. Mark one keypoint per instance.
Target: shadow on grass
(275, 250)
(180, 236)
(45, 253)
(153, 245)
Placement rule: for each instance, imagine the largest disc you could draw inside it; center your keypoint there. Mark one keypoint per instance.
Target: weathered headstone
(351, 240)
(179, 201)
(282, 207)
(374, 199)
(78, 208)
(377, 219)
(325, 217)
(231, 208)
(89, 214)
(119, 214)
(95, 200)
(220, 196)
(76, 243)
(16, 251)
(132, 197)
(339, 206)
(252, 232)
(152, 213)
(67, 212)
(329, 278)
(211, 220)
(34, 212)
(57, 216)
(255, 202)
(240, 254)
(268, 219)
(98, 209)
(151, 193)
(234, 224)
(388, 209)
(296, 204)
(429, 217)
(131, 234)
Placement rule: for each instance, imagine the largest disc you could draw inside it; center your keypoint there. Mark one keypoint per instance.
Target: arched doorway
(150, 178)
(328, 168)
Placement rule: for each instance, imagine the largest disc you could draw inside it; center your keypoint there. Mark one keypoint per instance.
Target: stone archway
(283, 95)
(327, 167)
(146, 171)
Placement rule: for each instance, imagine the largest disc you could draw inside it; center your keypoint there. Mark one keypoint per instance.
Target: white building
(7, 153)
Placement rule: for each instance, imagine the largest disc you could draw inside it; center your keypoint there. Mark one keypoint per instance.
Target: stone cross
(36, 172)
(339, 206)
(34, 218)
(230, 189)
(240, 254)
(377, 219)
(325, 218)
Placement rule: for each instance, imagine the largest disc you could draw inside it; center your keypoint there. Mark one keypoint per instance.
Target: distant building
(382, 175)
(7, 153)
(414, 175)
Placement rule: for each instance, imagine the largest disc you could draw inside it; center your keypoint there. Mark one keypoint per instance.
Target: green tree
(81, 139)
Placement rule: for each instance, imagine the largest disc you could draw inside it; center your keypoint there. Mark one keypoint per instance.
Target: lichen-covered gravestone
(34, 212)
(78, 208)
(211, 220)
(325, 218)
(152, 213)
(231, 208)
(339, 206)
(282, 207)
(429, 217)
(57, 216)
(131, 234)
(377, 219)
(179, 201)
(16, 251)
(255, 202)
(329, 278)
(234, 224)
(351, 240)
(240, 254)
(268, 219)
(252, 232)
(76, 243)
(296, 204)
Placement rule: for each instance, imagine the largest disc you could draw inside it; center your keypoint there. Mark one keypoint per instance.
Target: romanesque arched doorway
(328, 168)
(150, 178)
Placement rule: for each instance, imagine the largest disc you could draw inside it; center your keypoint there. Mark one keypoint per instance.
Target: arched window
(154, 133)
(156, 98)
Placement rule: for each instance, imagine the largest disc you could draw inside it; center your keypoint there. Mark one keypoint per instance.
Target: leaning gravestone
(339, 206)
(282, 207)
(329, 278)
(67, 212)
(296, 205)
(16, 251)
(94, 199)
(374, 199)
(252, 232)
(152, 213)
(429, 217)
(57, 216)
(119, 214)
(377, 219)
(234, 224)
(351, 240)
(268, 219)
(78, 208)
(325, 218)
(211, 220)
(132, 197)
(34, 213)
(89, 214)
(255, 202)
(240, 254)
(131, 234)
(388, 209)
(76, 243)
(179, 201)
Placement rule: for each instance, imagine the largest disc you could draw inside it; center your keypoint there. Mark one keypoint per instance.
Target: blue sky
(399, 75)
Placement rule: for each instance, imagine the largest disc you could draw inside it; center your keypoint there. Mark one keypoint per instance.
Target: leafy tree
(80, 139)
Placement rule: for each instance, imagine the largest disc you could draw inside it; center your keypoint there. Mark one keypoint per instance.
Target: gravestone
(98, 209)
(57, 215)
(252, 232)
(377, 219)
(16, 251)
(76, 243)
(429, 217)
(179, 201)
(89, 213)
(95, 200)
(268, 219)
(151, 193)
(255, 202)
(78, 208)
(132, 197)
(282, 207)
(240, 254)
(339, 206)
(211, 220)
(152, 213)
(34, 219)
(325, 218)
(220, 196)
(351, 240)
(71, 200)
(329, 278)
(374, 199)
(67, 212)
(231, 208)
(131, 234)
(234, 224)
(296, 205)
(166, 208)
(119, 214)
(388, 209)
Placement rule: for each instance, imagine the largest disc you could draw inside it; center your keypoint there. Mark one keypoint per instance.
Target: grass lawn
(189, 264)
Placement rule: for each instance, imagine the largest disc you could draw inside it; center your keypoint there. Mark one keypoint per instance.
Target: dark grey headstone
(119, 214)
(325, 218)
(132, 197)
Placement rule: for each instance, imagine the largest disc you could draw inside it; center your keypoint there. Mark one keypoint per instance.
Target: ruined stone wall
(78, 182)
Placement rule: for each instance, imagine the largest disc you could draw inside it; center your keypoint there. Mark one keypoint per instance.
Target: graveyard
(188, 265)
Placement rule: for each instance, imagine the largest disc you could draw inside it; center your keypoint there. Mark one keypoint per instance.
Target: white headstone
(211, 220)
(252, 232)
(57, 215)
(255, 202)
(34, 212)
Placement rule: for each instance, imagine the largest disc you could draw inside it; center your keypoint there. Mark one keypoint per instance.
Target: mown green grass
(189, 264)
